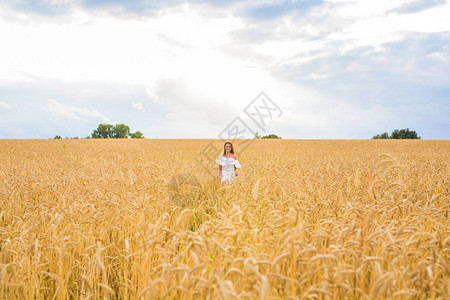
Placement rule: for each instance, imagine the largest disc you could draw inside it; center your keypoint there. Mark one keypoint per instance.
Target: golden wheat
(141, 219)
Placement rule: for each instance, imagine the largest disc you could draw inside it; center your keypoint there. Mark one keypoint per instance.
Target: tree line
(269, 136)
(122, 131)
(109, 131)
(398, 134)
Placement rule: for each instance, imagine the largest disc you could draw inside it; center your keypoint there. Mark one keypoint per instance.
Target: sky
(335, 69)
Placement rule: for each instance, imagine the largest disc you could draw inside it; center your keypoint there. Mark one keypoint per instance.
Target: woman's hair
(224, 151)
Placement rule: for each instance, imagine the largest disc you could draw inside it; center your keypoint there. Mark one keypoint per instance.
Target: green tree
(384, 135)
(271, 136)
(404, 134)
(137, 135)
(395, 134)
(118, 131)
(57, 137)
(398, 134)
(103, 131)
(121, 131)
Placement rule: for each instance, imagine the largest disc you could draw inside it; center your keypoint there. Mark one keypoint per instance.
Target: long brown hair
(225, 151)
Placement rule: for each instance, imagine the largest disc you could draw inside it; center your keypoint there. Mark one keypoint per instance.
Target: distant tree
(121, 131)
(118, 131)
(384, 135)
(398, 134)
(137, 135)
(57, 137)
(271, 136)
(103, 131)
(404, 134)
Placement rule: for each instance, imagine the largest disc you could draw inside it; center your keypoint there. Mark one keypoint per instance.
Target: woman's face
(228, 147)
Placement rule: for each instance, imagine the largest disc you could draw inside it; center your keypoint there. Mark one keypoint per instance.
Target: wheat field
(306, 219)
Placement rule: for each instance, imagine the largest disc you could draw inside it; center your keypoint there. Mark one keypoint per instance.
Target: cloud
(138, 106)
(45, 8)
(5, 105)
(117, 8)
(66, 112)
(154, 8)
(270, 10)
(251, 35)
(368, 89)
(411, 59)
(141, 7)
(188, 104)
(417, 6)
(172, 42)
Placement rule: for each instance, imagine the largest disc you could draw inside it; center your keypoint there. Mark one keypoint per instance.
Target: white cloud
(438, 55)
(138, 106)
(187, 101)
(352, 24)
(67, 112)
(102, 47)
(5, 105)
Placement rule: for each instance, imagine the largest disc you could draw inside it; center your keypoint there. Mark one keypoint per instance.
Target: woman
(228, 164)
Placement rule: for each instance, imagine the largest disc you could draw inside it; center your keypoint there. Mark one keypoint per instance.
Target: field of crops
(142, 219)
